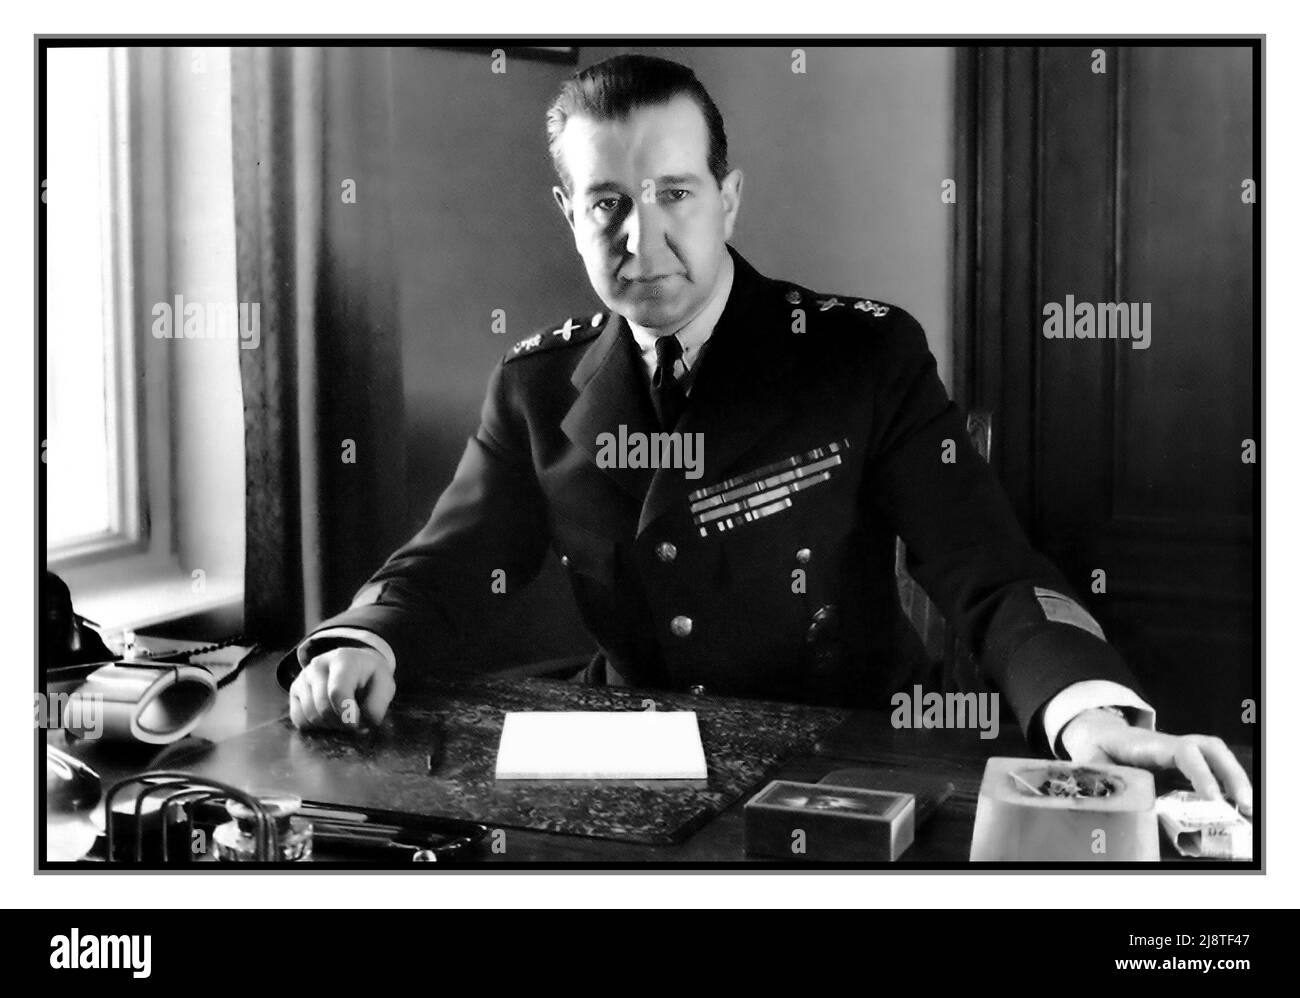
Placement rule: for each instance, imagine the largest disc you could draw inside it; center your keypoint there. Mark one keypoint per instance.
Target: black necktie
(665, 390)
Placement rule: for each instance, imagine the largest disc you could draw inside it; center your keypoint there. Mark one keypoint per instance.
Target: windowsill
(141, 591)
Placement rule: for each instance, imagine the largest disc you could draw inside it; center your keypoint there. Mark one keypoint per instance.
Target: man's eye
(607, 204)
(677, 194)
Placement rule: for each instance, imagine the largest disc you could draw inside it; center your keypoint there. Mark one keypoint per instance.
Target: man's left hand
(1098, 736)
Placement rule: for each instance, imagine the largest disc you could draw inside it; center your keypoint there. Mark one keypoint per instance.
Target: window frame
(127, 383)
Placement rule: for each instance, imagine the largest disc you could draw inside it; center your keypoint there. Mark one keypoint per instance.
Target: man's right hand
(343, 688)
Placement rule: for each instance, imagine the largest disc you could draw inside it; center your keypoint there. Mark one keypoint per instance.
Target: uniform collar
(695, 333)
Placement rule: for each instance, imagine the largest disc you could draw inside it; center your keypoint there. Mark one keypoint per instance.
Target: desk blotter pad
(743, 740)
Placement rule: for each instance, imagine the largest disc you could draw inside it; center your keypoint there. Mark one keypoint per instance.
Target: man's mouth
(652, 285)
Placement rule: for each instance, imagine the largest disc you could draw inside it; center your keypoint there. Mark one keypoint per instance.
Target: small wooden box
(814, 821)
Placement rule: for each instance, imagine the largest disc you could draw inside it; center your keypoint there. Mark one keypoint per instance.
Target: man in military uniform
(767, 568)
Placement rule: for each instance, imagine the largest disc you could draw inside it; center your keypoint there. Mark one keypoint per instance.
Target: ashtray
(1039, 810)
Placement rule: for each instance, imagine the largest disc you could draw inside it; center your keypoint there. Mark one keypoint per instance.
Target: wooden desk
(865, 740)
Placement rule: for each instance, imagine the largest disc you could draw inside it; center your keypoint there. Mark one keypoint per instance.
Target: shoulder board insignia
(572, 331)
(828, 303)
(524, 346)
(867, 305)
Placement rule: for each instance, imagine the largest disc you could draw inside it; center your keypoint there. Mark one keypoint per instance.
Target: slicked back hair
(611, 89)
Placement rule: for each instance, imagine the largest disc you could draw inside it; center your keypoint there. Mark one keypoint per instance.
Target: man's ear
(566, 206)
(731, 188)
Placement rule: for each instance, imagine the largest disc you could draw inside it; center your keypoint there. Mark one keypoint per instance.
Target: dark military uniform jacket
(825, 430)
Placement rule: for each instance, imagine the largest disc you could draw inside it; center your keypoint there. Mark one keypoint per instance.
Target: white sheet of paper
(601, 745)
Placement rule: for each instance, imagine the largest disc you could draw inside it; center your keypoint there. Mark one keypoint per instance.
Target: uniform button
(696, 691)
(564, 560)
(803, 556)
(824, 623)
(681, 626)
(666, 551)
(793, 297)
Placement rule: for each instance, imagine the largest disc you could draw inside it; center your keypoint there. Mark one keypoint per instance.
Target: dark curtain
(325, 453)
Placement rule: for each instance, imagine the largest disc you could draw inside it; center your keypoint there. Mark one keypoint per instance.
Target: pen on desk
(379, 841)
(435, 745)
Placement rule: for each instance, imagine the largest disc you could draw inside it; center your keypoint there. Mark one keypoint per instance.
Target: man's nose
(643, 229)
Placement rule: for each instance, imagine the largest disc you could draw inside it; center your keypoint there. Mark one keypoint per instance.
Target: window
(91, 448)
(144, 448)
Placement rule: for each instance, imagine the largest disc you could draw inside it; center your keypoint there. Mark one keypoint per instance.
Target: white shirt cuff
(368, 638)
(1078, 697)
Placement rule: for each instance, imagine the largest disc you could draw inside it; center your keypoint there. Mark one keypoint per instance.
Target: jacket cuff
(332, 637)
(1087, 695)
(1055, 658)
(390, 630)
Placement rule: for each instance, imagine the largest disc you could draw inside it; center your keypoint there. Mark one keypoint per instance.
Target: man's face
(647, 216)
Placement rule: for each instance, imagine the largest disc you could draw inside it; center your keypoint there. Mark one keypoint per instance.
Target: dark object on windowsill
(67, 638)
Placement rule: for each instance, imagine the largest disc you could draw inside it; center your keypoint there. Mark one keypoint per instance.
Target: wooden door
(1115, 175)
